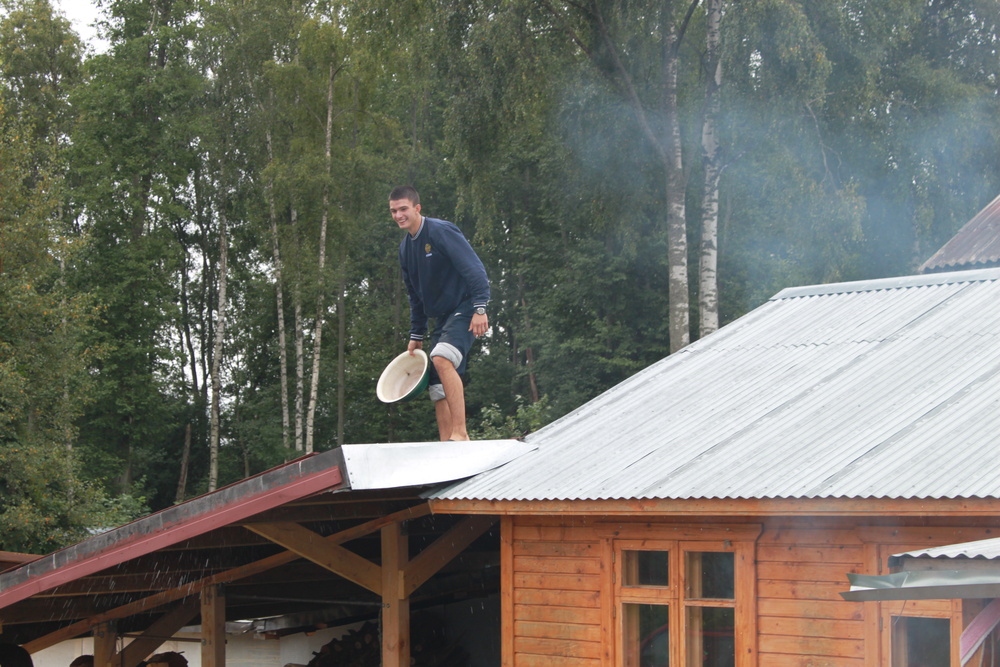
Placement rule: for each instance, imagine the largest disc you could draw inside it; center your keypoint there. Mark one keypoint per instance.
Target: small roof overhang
(923, 585)
(951, 572)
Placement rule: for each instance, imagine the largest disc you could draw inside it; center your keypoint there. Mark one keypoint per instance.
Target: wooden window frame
(679, 541)
(880, 545)
(900, 609)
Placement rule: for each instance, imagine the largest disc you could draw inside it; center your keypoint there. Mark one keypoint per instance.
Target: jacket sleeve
(418, 318)
(467, 263)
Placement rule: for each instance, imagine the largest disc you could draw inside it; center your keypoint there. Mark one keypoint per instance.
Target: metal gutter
(923, 585)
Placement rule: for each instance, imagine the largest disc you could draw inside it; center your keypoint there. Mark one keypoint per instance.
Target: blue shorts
(451, 340)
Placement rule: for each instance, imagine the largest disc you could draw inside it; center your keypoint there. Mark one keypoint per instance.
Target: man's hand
(479, 325)
(414, 345)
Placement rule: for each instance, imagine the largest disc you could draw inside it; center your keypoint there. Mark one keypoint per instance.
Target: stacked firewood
(362, 647)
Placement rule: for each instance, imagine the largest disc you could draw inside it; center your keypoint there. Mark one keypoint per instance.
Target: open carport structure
(340, 536)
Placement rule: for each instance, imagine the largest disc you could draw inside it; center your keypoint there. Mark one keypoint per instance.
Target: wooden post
(507, 592)
(105, 639)
(395, 604)
(213, 627)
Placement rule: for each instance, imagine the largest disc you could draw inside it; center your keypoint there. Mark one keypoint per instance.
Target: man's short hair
(405, 192)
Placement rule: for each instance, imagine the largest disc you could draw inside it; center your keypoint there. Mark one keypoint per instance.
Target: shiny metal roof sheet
(981, 549)
(887, 388)
(977, 243)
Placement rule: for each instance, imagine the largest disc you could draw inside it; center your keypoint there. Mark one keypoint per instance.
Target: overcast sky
(82, 14)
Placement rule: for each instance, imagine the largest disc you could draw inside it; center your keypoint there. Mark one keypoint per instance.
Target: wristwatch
(480, 310)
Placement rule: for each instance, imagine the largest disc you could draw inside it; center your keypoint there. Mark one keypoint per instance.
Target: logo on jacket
(427, 250)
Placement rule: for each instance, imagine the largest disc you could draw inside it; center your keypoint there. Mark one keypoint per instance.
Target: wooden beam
(158, 600)
(369, 527)
(213, 627)
(395, 603)
(507, 592)
(52, 610)
(105, 639)
(978, 629)
(114, 585)
(443, 550)
(315, 547)
(157, 633)
(17, 557)
(734, 507)
(248, 570)
(357, 510)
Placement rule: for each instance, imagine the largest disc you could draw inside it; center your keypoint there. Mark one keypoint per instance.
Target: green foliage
(46, 506)
(496, 424)
(866, 165)
(135, 161)
(856, 138)
(44, 361)
(39, 62)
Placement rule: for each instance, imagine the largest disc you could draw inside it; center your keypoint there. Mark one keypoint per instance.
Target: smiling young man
(446, 282)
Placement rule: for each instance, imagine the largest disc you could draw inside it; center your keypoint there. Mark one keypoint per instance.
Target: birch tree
(279, 295)
(220, 332)
(708, 283)
(601, 30)
(321, 264)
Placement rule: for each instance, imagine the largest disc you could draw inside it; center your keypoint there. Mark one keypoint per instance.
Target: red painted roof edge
(977, 236)
(274, 488)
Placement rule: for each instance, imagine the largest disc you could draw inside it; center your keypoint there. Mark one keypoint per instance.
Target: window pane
(710, 574)
(646, 568)
(710, 637)
(921, 642)
(647, 635)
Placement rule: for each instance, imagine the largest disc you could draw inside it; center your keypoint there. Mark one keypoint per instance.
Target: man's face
(406, 215)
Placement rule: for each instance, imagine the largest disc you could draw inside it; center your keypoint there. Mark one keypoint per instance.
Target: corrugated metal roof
(887, 388)
(980, 549)
(976, 245)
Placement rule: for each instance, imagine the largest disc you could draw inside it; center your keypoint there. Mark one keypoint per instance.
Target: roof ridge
(899, 282)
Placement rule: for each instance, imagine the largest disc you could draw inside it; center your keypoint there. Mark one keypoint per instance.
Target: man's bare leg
(454, 396)
(443, 415)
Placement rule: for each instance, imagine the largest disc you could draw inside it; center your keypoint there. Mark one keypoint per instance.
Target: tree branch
(684, 25)
(626, 87)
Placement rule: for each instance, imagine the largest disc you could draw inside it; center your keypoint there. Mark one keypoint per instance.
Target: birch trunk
(318, 334)
(220, 330)
(286, 430)
(299, 353)
(668, 148)
(708, 283)
(341, 350)
(677, 248)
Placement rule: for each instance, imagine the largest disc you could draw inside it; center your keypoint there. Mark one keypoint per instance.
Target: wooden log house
(707, 510)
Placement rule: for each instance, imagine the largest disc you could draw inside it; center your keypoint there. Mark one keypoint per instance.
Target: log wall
(558, 610)
(556, 573)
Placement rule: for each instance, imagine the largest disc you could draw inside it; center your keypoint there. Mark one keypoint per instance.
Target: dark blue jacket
(441, 271)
